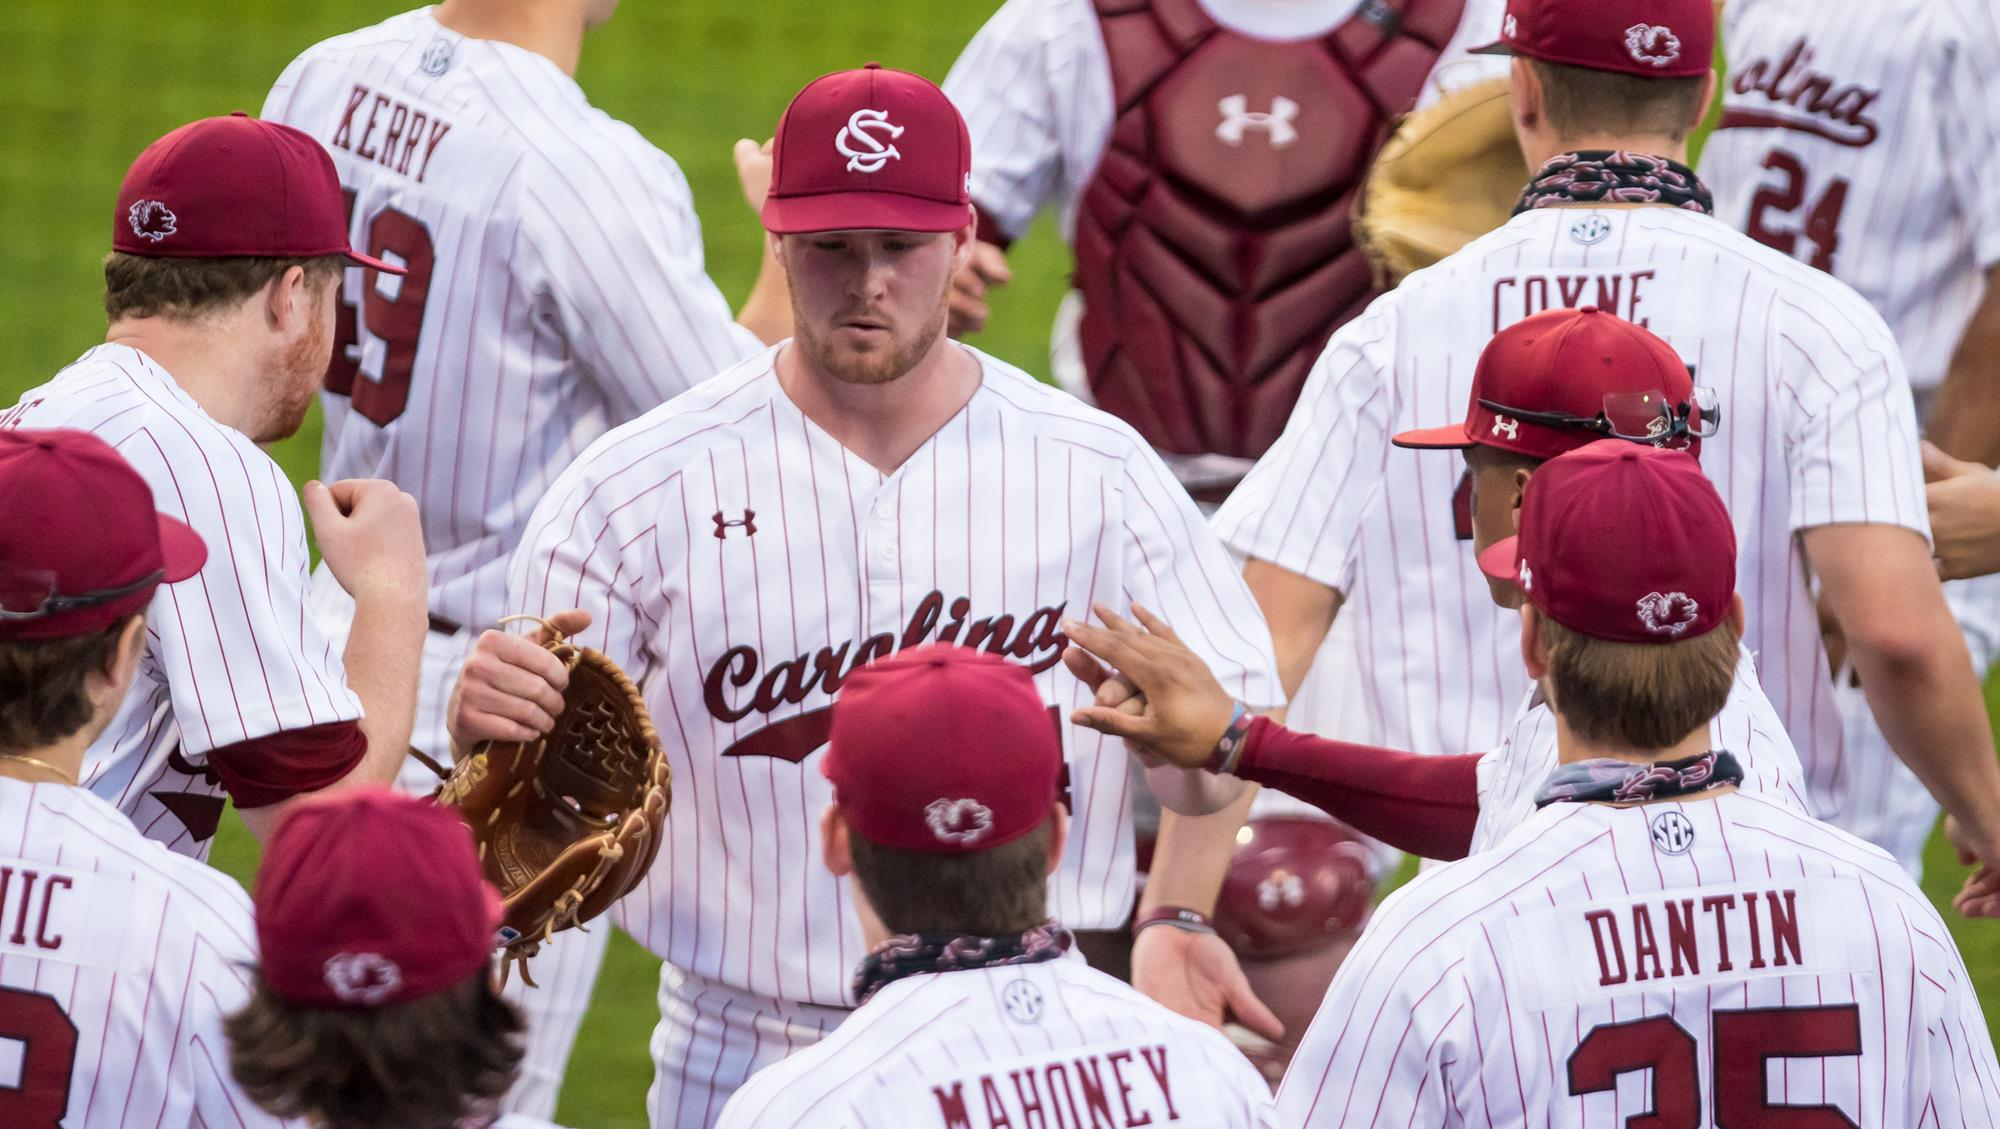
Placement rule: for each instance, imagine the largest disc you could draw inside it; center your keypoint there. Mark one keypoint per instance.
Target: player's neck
(883, 423)
(206, 361)
(552, 29)
(60, 763)
(1540, 150)
(1572, 748)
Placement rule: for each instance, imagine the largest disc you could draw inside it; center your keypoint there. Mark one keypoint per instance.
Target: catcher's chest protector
(1213, 244)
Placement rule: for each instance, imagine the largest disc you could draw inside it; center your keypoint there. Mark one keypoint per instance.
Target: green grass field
(83, 87)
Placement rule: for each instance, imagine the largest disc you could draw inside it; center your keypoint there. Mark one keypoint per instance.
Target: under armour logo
(748, 523)
(1237, 117)
(1511, 28)
(861, 130)
(151, 220)
(1527, 577)
(1652, 44)
(1511, 428)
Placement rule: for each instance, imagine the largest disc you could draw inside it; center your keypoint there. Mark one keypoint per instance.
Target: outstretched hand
(1186, 710)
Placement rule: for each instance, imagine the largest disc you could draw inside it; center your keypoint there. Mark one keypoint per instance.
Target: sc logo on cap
(861, 130)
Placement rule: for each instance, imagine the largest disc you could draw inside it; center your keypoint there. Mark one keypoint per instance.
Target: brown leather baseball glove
(1451, 172)
(569, 823)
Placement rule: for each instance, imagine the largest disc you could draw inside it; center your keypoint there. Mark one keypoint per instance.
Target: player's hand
(1187, 711)
(1109, 690)
(511, 688)
(370, 538)
(987, 270)
(753, 171)
(1965, 515)
(1197, 975)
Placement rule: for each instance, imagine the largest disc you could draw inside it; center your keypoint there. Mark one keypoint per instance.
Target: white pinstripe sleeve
(1377, 1051)
(1971, 119)
(1001, 84)
(241, 655)
(585, 548)
(1958, 1078)
(1301, 506)
(623, 262)
(1851, 425)
(1177, 568)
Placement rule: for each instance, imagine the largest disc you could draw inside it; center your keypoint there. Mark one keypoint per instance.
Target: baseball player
(1643, 948)
(865, 488)
(1857, 137)
(556, 289)
(227, 248)
(1817, 457)
(374, 1003)
(1549, 372)
(118, 957)
(946, 822)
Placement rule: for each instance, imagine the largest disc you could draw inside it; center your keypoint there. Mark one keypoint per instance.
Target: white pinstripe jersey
(739, 561)
(1817, 429)
(1035, 88)
(118, 960)
(1601, 963)
(231, 653)
(1511, 775)
(556, 286)
(1863, 136)
(1055, 1044)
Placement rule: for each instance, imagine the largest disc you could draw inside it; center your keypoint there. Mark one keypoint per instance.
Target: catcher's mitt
(1450, 173)
(569, 823)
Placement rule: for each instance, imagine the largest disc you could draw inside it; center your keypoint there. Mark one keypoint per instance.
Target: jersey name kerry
(1817, 429)
(555, 287)
(741, 563)
(1863, 137)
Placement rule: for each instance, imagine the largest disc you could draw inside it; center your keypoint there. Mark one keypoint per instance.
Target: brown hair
(423, 1064)
(184, 289)
(42, 685)
(1580, 100)
(989, 893)
(1639, 696)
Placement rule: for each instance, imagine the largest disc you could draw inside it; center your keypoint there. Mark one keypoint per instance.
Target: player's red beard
(881, 365)
(299, 372)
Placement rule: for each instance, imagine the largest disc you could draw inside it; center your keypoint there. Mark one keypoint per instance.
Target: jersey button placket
(884, 559)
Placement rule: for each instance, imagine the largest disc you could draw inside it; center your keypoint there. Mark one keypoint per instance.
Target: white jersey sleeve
(1866, 410)
(1005, 84)
(1970, 114)
(1301, 507)
(630, 288)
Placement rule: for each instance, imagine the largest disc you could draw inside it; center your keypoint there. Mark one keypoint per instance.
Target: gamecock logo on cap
(151, 220)
(958, 821)
(1652, 44)
(1671, 613)
(859, 143)
(362, 978)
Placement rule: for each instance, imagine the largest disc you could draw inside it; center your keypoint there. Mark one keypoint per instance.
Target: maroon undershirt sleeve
(1424, 805)
(269, 769)
(989, 229)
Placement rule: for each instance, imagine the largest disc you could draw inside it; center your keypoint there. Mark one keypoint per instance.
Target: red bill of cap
(1563, 362)
(870, 149)
(369, 897)
(112, 562)
(943, 749)
(235, 187)
(1622, 542)
(1648, 38)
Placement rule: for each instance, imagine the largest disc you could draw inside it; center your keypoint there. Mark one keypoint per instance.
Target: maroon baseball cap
(1622, 542)
(62, 573)
(1572, 377)
(943, 749)
(873, 149)
(368, 897)
(235, 187)
(1648, 38)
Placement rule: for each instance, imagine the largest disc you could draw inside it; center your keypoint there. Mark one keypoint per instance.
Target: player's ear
(1533, 655)
(833, 842)
(286, 300)
(1527, 97)
(118, 674)
(1737, 616)
(1058, 836)
(1521, 477)
(1709, 83)
(962, 243)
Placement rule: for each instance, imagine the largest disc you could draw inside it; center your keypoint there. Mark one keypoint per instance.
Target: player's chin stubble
(877, 367)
